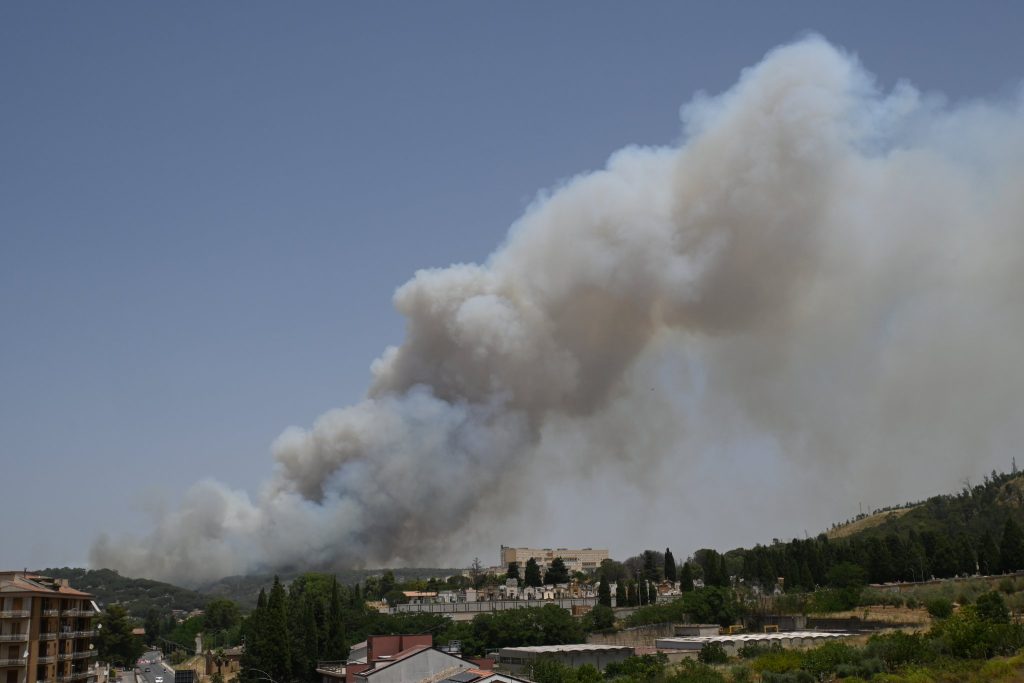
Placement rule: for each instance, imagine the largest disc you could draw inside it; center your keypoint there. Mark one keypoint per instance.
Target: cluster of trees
(115, 642)
(973, 531)
(713, 604)
(137, 596)
(556, 573)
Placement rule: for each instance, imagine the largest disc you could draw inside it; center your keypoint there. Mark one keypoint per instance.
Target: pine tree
(686, 578)
(670, 566)
(1011, 548)
(604, 592)
(557, 572)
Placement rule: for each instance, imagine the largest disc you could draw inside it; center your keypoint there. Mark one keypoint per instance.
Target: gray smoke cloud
(820, 267)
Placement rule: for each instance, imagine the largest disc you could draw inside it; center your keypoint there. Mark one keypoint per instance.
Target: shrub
(1006, 585)
(778, 662)
(940, 608)
(991, 607)
(896, 648)
(911, 602)
(692, 672)
(741, 674)
(712, 653)
(755, 650)
(825, 658)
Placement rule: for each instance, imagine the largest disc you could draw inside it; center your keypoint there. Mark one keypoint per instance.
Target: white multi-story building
(576, 560)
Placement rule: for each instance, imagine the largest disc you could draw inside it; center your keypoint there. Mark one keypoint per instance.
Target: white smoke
(819, 265)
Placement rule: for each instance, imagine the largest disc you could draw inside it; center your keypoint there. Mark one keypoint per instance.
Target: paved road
(153, 661)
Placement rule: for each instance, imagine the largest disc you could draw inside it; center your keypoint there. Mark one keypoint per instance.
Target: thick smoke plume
(827, 270)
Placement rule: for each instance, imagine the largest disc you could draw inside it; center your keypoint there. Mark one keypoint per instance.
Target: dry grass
(866, 523)
(888, 613)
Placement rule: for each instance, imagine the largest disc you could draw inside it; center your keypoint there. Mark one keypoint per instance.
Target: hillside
(865, 522)
(245, 589)
(139, 595)
(136, 595)
(977, 529)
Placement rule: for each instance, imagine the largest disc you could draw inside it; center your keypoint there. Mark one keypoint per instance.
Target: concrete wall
(638, 636)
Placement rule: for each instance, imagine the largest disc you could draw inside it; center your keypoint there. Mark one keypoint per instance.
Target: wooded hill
(137, 596)
(975, 530)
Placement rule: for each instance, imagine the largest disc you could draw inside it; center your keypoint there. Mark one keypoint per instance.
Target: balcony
(14, 614)
(50, 612)
(47, 659)
(77, 613)
(64, 679)
(47, 636)
(83, 634)
(13, 637)
(65, 656)
(84, 653)
(12, 662)
(79, 675)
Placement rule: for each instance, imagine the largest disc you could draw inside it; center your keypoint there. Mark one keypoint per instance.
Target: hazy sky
(206, 208)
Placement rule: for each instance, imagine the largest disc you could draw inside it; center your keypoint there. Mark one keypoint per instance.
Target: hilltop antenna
(1013, 465)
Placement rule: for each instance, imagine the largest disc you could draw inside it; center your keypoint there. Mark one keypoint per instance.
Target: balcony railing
(64, 679)
(47, 659)
(84, 653)
(12, 662)
(82, 634)
(50, 612)
(47, 636)
(14, 614)
(14, 637)
(77, 613)
(65, 656)
(79, 675)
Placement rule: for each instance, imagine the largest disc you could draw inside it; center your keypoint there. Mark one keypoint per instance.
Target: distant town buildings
(46, 631)
(576, 560)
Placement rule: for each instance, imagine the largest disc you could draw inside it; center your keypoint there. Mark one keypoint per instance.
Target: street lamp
(265, 677)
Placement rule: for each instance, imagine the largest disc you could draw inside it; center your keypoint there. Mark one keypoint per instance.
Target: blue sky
(205, 208)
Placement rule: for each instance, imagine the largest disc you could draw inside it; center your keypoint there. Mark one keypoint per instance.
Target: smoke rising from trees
(818, 265)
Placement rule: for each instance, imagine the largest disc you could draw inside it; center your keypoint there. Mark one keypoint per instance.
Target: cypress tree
(686, 578)
(276, 655)
(513, 570)
(621, 598)
(670, 566)
(652, 594)
(532, 577)
(335, 636)
(604, 592)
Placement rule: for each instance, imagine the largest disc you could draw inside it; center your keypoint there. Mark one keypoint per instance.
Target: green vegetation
(709, 605)
(976, 530)
(115, 641)
(137, 596)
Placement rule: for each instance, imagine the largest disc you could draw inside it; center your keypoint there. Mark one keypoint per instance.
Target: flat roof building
(576, 559)
(517, 659)
(46, 631)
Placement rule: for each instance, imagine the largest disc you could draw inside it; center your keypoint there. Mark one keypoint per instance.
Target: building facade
(576, 559)
(46, 631)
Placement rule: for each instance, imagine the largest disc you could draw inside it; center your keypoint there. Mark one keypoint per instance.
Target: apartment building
(46, 631)
(576, 559)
